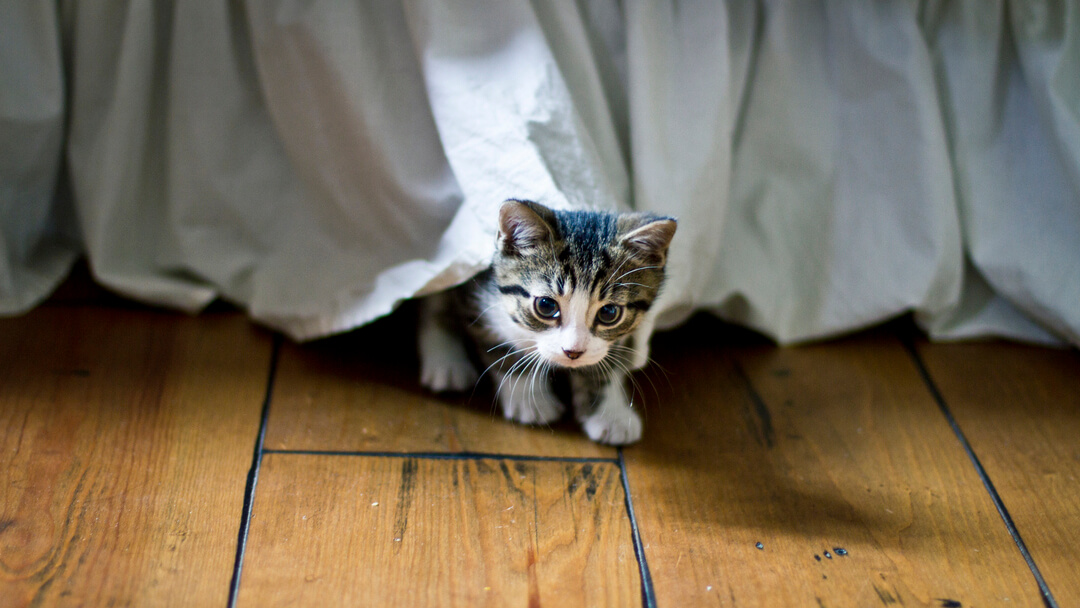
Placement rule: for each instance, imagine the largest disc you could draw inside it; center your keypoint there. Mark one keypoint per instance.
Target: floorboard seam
(1044, 589)
(648, 595)
(253, 474)
(444, 455)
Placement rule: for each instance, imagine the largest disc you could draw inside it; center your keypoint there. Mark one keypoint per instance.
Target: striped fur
(563, 294)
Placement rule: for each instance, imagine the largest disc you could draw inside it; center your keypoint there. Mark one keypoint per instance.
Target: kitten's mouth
(576, 362)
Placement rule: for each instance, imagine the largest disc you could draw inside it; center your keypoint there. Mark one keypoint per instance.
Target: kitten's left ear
(647, 236)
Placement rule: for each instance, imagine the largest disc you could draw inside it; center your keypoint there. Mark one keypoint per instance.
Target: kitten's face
(573, 282)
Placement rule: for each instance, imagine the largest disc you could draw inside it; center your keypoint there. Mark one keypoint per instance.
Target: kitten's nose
(573, 354)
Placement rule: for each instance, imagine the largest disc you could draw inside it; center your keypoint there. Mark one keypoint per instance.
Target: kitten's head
(574, 282)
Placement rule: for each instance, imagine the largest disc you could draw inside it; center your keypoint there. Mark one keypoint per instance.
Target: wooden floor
(150, 458)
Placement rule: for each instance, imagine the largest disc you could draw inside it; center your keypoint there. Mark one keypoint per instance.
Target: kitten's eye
(546, 307)
(609, 314)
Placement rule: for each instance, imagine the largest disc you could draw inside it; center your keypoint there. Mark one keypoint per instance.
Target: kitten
(564, 292)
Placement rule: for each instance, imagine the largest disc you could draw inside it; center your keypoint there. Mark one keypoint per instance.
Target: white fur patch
(613, 422)
(444, 364)
(528, 399)
(573, 334)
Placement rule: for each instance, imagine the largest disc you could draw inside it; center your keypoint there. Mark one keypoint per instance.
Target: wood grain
(125, 440)
(391, 531)
(809, 451)
(360, 393)
(1019, 407)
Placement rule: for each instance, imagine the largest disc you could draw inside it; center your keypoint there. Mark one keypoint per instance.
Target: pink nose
(573, 354)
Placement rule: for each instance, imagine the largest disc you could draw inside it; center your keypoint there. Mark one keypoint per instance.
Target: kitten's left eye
(546, 307)
(609, 314)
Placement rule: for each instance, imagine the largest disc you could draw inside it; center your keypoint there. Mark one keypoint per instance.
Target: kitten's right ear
(524, 225)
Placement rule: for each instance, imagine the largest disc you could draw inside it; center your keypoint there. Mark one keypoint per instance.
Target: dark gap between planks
(445, 456)
(253, 473)
(648, 594)
(1044, 589)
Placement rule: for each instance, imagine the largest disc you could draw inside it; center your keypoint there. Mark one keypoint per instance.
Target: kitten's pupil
(546, 307)
(609, 314)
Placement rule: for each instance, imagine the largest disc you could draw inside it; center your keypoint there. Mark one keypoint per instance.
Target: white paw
(614, 429)
(529, 402)
(444, 363)
(613, 422)
(448, 375)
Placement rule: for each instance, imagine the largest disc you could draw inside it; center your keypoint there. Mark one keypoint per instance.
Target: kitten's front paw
(622, 428)
(444, 364)
(529, 403)
(448, 376)
(613, 422)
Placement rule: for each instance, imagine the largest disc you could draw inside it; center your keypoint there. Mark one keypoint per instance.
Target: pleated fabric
(832, 164)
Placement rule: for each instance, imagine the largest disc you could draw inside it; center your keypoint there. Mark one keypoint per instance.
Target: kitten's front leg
(527, 398)
(444, 362)
(602, 407)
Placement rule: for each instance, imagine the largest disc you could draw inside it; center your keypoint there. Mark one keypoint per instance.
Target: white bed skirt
(831, 164)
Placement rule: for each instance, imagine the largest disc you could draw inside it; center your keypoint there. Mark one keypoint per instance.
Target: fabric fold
(317, 163)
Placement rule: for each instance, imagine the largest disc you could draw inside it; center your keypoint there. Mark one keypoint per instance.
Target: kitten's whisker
(544, 375)
(482, 313)
(617, 360)
(617, 372)
(630, 353)
(521, 364)
(630, 272)
(617, 269)
(499, 362)
(633, 379)
(508, 343)
(649, 362)
(634, 389)
(525, 372)
(511, 373)
(537, 374)
(510, 352)
(503, 358)
(518, 365)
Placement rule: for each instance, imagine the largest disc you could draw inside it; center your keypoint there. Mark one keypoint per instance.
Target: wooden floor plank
(125, 440)
(833, 457)
(1019, 408)
(360, 393)
(391, 531)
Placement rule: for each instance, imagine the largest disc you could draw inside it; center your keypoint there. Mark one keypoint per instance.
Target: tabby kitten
(564, 293)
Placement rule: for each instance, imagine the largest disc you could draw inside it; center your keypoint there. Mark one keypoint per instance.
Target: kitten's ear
(524, 225)
(647, 236)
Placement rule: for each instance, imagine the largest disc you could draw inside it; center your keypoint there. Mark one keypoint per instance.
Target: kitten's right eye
(546, 307)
